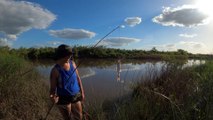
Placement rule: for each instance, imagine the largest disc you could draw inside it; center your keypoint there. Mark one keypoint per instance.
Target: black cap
(63, 51)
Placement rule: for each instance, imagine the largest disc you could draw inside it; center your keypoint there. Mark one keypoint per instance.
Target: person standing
(118, 70)
(66, 89)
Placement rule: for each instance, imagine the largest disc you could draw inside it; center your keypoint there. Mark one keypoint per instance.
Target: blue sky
(167, 25)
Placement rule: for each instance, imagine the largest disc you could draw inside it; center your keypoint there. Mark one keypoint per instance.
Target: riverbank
(180, 94)
(23, 94)
(176, 93)
(104, 53)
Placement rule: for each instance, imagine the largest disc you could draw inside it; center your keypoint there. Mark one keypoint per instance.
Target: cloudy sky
(167, 25)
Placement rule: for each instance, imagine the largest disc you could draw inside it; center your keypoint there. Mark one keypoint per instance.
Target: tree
(154, 50)
(182, 52)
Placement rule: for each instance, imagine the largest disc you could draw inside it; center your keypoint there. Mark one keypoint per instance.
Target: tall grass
(175, 94)
(23, 94)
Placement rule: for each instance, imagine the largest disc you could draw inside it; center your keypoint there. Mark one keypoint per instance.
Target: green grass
(23, 94)
(178, 94)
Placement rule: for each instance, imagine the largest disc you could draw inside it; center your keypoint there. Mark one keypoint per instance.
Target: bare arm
(79, 81)
(53, 83)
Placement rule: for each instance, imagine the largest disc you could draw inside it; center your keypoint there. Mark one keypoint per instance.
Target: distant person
(118, 70)
(66, 88)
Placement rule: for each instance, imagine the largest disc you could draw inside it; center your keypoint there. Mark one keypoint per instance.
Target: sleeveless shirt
(67, 84)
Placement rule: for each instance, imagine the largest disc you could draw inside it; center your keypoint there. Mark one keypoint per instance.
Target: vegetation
(23, 93)
(176, 94)
(102, 52)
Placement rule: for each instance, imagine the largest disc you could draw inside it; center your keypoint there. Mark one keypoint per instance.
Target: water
(99, 77)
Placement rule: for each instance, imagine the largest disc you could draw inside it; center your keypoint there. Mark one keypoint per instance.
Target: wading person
(66, 88)
(118, 67)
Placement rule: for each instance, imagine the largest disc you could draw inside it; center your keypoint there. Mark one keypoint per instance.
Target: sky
(167, 25)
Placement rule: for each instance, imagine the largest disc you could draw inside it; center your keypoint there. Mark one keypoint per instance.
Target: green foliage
(103, 52)
(180, 94)
(182, 52)
(176, 94)
(98, 52)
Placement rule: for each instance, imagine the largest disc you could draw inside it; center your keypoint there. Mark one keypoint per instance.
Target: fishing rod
(119, 26)
(48, 112)
(94, 47)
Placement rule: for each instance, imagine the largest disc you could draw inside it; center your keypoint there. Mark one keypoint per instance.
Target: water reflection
(118, 68)
(193, 62)
(108, 79)
(86, 72)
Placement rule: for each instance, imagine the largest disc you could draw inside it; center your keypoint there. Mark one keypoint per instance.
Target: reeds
(177, 94)
(23, 93)
(173, 94)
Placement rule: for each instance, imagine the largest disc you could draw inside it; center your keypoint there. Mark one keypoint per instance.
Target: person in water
(118, 70)
(66, 89)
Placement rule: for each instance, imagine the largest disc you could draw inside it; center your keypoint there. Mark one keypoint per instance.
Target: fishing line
(120, 26)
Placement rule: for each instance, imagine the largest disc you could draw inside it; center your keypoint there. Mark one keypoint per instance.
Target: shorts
(64, 100)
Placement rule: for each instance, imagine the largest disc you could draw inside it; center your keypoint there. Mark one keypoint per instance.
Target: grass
(175, 94)
(23, 94)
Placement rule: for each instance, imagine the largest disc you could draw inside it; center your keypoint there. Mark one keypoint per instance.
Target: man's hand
(54, 98)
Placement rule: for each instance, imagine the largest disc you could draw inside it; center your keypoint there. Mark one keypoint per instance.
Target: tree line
(103, 52)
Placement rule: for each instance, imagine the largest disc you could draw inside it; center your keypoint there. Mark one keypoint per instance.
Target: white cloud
(193, 45)
(11, 37)
(4, 42)
(54, 43)
(122, 26)
(38, 46)
(165, 47)
(118, 41)
(184, 16)
(170, 46)
(190, 46)
(72, 33)
(188, 35)
(133, 21)
(20, 16)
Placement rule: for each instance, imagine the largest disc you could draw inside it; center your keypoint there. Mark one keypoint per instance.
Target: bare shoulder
(54, 72)
(73, 63)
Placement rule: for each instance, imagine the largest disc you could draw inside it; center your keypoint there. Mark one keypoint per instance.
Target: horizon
(166, 25)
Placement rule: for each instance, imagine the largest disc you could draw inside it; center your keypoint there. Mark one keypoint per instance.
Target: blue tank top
(67, 84)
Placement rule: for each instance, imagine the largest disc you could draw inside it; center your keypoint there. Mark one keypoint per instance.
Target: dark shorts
(64, 100)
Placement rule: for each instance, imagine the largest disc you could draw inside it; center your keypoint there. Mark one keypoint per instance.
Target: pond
(100, 76)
